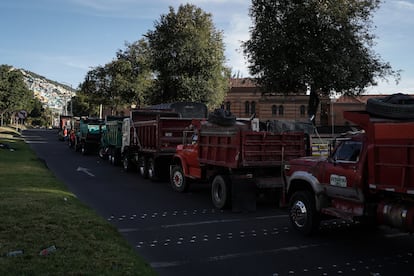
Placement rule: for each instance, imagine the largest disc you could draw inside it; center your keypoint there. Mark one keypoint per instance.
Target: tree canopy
(187, 57)
(123, 81)
(14, 94)
(321, 45)
(182, 59)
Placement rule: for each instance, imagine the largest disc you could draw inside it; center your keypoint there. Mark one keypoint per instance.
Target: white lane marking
(167, 226)
(85, 170)
(234, 256)
(220, 221)
(397, 235)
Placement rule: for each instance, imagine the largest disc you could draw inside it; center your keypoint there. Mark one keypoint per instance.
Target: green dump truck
(88, 135)
(111, 139)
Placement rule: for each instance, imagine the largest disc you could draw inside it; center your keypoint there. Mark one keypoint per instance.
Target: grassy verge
(37, 211)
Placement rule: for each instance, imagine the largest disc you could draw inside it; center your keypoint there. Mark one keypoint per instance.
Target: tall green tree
(321, 45)
(139, 78)
(14, 94)
(187, 57)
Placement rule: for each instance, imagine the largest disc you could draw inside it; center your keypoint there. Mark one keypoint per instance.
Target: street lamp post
(332, 115)
(71, 101)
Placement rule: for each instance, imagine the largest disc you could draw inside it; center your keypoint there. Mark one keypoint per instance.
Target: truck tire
(142, 167)
(110, 155)
(84, 149)
(151, 169)
(302, 213)
(77, 146)
(395, 106)
(220, 192)
(126, 164)
(177, 180)
(102, 153)
(116, 157)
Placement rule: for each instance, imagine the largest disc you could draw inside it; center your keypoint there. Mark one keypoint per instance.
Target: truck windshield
(348, 151)
(93, 128)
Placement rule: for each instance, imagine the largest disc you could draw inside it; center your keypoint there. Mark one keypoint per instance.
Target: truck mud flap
(243, 193)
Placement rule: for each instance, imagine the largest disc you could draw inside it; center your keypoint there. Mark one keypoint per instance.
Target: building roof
(242, 82)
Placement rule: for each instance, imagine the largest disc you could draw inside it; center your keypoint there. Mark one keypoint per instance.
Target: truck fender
(178, 160)
(302, 180)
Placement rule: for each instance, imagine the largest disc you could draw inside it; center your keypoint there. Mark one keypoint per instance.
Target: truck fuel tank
(398, 215)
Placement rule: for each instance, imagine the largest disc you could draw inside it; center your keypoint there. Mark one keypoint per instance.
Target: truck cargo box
(391, 154)
(161, 135)
(239, 147)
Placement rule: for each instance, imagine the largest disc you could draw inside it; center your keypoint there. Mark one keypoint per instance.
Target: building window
(253, 108)
(302, 111)
(228, 105)
(281, 110)
(247, 108)
(274, 110)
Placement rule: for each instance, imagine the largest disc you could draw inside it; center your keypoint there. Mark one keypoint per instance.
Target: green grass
(37, 211)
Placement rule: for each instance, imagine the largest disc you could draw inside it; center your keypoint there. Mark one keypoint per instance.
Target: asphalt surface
(182, 234)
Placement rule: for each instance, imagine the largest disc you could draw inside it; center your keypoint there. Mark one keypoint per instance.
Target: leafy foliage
(14, 95)
(318, 44)
(123, 81)
(181, 60)
(187, 57)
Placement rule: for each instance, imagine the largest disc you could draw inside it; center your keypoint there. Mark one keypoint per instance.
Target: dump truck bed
(390, 152)
(239, 147)
(161, 135)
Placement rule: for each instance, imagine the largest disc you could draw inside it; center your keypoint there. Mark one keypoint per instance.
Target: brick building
(245, 99)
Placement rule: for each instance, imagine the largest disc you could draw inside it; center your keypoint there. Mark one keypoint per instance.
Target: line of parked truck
(367, 178)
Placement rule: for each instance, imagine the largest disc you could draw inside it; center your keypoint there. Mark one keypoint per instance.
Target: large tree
(14, 94)
(187, 54)
(140, 78)
(321, 45)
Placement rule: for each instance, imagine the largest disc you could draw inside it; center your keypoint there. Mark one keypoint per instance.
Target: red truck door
(341, 175)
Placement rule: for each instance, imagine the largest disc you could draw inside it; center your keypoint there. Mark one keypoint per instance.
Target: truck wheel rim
(298, 214)
(178, 179)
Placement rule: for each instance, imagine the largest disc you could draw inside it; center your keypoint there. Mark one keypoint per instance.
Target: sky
(63, 39)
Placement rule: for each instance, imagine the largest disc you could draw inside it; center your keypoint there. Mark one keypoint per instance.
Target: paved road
(181, 234)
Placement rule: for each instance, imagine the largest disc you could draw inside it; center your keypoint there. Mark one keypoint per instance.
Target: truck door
(341, 175)
(190, 153)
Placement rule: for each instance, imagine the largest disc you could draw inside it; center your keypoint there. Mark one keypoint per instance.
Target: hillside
(51, 93)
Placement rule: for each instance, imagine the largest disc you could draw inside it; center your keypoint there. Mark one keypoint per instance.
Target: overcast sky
(63, 39)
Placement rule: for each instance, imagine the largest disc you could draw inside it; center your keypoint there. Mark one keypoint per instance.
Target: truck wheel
(178, 181)
(303, 215)
(102, 153)
(142, 167)
(395, 106)
(112, 156)
(83, 149)
(117, 157)
(220, 192)
(77, 146)
(126, 164)
(151, 169)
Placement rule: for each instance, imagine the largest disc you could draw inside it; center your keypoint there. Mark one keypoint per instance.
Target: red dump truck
(151, 135)
(233, 159)
(368, 178)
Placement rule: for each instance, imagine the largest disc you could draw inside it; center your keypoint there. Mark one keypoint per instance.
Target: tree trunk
(313, 105)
